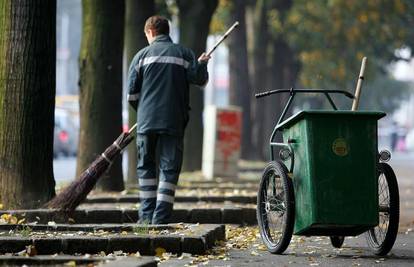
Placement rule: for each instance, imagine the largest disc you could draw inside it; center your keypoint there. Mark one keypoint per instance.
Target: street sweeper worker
(158, 88)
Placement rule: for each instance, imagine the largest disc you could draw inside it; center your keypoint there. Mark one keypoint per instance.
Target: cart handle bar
(292, 90)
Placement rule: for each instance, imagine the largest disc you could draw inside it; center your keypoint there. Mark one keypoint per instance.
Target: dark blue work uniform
(158, 84)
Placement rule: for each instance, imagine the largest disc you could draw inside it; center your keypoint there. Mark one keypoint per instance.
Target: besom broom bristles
(74, 194)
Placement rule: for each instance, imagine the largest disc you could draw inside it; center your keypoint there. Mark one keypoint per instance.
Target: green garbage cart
(328, 179)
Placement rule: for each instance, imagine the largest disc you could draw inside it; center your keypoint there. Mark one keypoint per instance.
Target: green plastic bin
(335, 171)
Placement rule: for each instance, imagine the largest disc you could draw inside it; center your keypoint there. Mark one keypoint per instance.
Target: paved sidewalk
(311, 251)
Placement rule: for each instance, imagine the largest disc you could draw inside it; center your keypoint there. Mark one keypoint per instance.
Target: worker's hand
(204, 58)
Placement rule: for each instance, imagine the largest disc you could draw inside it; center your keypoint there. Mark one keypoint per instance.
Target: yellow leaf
(21, 221)
(159, 251)
(5, 216)
(1, 206)
(70, 263)
(254, 253)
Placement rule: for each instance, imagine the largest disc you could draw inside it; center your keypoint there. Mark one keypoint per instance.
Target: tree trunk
(136, 14)
(275, 104)
(195, 17)
(100, 85)
(239, 89)
(27, 100)
(282, 73)
(260, 45)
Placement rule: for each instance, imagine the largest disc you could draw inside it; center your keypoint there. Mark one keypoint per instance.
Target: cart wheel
(337, 241)
(276, 208)
(382, 237)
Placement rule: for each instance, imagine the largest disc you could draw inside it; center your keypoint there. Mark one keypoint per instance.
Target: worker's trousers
(157, 197)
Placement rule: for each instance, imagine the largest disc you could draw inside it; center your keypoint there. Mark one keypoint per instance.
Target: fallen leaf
(159, 251)
(31, 250)
(254, 253)
(70, 263)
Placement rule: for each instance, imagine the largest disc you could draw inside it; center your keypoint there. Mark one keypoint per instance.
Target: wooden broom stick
(355, 103)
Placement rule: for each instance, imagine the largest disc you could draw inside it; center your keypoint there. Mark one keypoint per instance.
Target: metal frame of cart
(329, 178)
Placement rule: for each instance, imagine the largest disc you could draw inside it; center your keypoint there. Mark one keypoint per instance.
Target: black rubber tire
(337, 241)
(283, 203)
(382, 247)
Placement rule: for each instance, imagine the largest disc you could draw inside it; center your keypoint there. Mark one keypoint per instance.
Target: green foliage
(141, 229)
(332, 36)
(219, 21)
(25, 231)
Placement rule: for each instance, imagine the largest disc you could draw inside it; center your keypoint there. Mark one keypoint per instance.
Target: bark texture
(27, 99)
(195, 17)
(101, 86)
(259, 77)
(240, 90)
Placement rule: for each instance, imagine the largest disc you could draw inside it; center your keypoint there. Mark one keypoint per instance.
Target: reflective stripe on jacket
(158, 82)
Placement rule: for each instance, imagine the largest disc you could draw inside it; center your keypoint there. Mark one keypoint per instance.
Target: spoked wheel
(276, 208)
(337, 241)
(382, 237)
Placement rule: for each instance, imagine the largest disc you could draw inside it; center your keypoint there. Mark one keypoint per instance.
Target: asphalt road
(64, 168)
(317, 251)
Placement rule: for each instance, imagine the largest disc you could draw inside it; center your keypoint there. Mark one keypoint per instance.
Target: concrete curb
(135, 199)
(202, 238)
(243, 216)
(131, 262)
(42, 260)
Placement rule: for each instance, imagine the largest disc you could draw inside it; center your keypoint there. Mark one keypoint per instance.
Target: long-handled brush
(71, 196)
(74, 194)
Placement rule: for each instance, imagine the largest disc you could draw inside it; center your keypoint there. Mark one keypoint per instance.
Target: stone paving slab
(251, 199)
(197, 240)
(88, 227)
(59, 260)
(245, 216)
(131, 262)
(48, 260)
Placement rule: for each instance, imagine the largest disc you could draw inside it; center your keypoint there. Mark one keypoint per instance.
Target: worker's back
(165, 70)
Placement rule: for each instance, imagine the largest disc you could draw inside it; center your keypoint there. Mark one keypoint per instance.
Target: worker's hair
(159, 24)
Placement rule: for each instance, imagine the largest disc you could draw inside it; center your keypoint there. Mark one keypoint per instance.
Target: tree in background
(331, 37)
(136, 14)
(282, 69)
(101, 86)
(27, 98)
(320, 44)
(259, 53)
(195, 17)
(240, 93)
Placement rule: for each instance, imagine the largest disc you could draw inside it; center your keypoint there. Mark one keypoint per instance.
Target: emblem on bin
(340, 147)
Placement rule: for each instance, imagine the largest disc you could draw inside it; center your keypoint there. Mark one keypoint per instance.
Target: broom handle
(223, 38)
(208, 54)
(132, 128)
(355, 103)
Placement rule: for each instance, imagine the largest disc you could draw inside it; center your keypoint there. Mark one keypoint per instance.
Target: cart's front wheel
(382, 237)
(276, 208)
